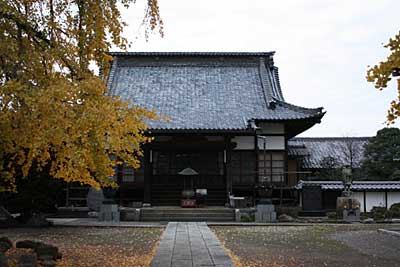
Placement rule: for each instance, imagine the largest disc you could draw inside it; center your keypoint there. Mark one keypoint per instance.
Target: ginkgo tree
(55, 113)
(382, 73)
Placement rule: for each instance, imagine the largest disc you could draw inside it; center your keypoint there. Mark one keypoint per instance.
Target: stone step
(177, 203)
(188, 214)
(182, 215)
(186, 211)
(180, 219)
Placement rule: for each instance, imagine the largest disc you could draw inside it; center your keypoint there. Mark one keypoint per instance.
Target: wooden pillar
(256, 169)
(227, 167)
(147, 174)
(256, 151)
(386, 199)
(365, 201)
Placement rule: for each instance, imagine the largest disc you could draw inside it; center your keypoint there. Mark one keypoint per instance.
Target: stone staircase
(211, 214)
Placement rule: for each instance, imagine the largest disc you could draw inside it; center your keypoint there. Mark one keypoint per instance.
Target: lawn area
(86, 247)
(311, 246)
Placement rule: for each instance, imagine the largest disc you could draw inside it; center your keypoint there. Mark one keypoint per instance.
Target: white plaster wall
(272, 128)
(393, 197)
(273, 143)
(375, 199)
(244, 142)
(360, 197)
(247, 143)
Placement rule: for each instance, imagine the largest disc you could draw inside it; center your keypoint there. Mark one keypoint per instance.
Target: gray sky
(323, 48)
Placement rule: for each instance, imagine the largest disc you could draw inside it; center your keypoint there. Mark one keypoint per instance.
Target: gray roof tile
(325, 185)
(196, 54)
(203, 91)
(315, 149)
(355, 185)
(375, 185)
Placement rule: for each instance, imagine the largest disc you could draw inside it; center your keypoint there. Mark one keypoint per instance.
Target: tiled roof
(198, 91)
(315, 149)
(375, 185)
(355, 185)
(325, 185)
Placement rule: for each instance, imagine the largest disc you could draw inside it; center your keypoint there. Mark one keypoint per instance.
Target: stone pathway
(190, 244)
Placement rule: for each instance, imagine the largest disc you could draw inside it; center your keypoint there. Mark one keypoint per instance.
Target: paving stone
(182, 263)
(189, 244)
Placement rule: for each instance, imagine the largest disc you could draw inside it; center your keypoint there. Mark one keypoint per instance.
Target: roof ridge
(188, 53)
(225, 64)
(278, 82)
(266, 84)
(111, 74)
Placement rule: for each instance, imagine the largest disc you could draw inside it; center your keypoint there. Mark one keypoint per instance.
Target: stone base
(265, 213)
(109, 213)
(351, 216)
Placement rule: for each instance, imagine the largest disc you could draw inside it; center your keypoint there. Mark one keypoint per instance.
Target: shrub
(332, 215)
(395, 210)
(247, 217)
(378, 213)
(292, 211)
(365, 215)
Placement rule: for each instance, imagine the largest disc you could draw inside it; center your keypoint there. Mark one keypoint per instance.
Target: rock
(285, 218)
(368, 220)
(44, 250)
(48, 263)
(5, 244)
(27, 244)
(3, 260)
(27, 260)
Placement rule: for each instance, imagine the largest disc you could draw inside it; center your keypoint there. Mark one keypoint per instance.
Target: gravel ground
(309, 246)
(87, 247)
(373, 243)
